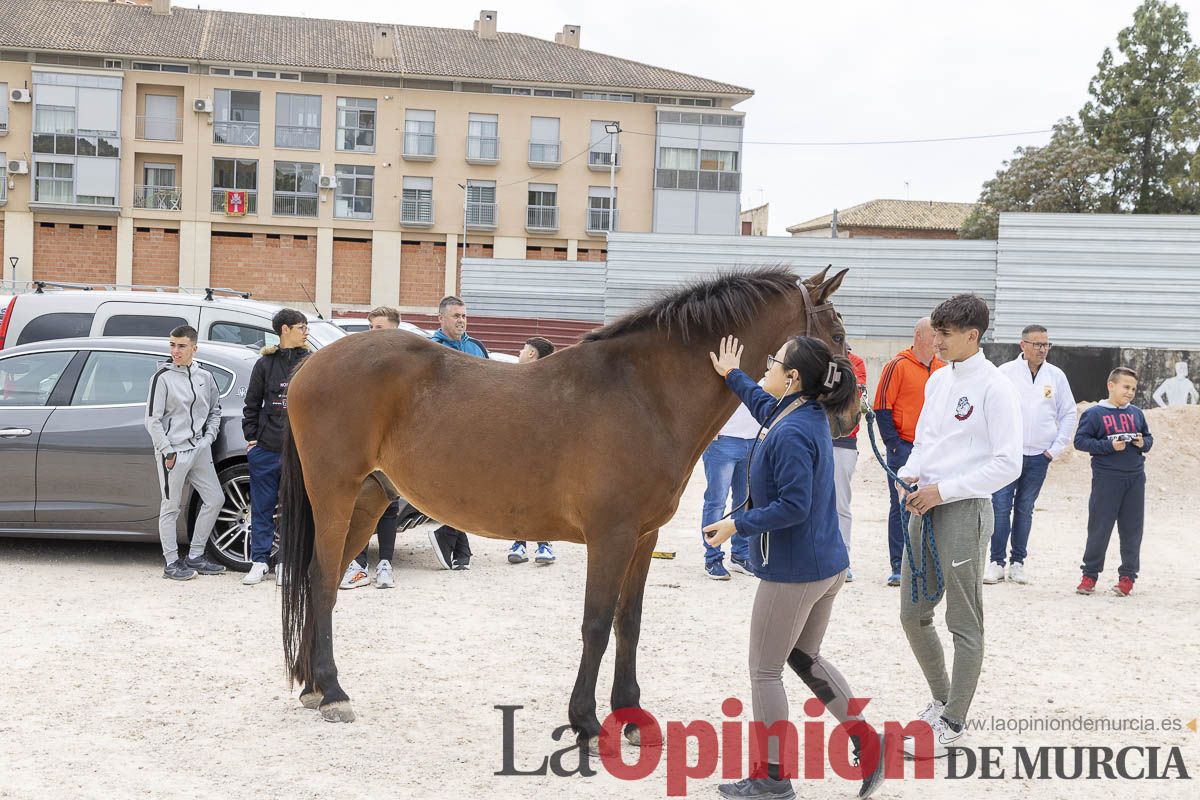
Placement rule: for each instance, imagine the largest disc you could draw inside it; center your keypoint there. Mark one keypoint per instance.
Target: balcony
(420, 147)
(218, 200)
(159, 198)
(286, 204)
(603, 160)
(483, 150)
(297, 137)
(159, 129)
(417, 213)
(544, 154)
(244, 134)
(541, 218)
(601, 220)
(481, 215)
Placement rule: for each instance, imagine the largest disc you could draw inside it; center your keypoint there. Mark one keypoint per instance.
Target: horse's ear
(827, 288)
(817, 279)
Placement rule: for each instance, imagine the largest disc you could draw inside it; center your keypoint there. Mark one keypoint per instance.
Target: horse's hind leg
(628, 624)
(607, 562)
(340, 518)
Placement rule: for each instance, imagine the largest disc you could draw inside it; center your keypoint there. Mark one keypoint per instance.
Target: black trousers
(385, 529)
(1120, 499)
(459, 546)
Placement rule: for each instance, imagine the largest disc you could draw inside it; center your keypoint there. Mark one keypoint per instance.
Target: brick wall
(351, 271)
(897, 233)
(271, 266)
(595, 254)
(156, 256)
(546, 253)
(74, 253)
(422, 273)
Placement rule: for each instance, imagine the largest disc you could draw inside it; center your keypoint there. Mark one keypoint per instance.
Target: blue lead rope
(926, 531)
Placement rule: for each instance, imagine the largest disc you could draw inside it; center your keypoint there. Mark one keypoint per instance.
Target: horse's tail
(296, 534)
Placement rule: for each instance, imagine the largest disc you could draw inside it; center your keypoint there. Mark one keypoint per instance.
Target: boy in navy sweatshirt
(1116, 434)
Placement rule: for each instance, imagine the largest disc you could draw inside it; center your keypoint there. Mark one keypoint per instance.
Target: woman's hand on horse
(730, 356)
(719, 531)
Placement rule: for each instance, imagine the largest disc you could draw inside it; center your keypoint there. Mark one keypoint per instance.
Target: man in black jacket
(263, 421)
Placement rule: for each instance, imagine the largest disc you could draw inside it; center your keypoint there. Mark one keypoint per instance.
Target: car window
(28, 380)
(238, 333)
(354, 327)
(113, 378)
(56, 326)
(322, 333)
(142, 325)
(223, 377)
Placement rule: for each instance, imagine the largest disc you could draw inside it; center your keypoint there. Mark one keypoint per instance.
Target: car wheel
(229, 542)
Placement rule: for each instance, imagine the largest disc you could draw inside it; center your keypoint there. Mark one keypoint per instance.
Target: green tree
(1064, 175)
(1144, 109)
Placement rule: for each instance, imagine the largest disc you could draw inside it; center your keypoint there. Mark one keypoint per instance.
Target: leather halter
(810, 310)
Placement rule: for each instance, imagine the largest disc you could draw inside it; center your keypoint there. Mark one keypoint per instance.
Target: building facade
(345, 161)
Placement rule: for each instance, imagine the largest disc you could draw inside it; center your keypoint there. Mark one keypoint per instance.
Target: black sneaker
(758, 789)
(461, 563)
(874, 780)
(203, 565)
(178, 571)
(442, 548)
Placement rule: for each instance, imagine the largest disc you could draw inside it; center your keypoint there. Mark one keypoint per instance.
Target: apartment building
(349, 161)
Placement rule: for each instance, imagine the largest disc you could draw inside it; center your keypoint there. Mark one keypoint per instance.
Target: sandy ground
(119, 684)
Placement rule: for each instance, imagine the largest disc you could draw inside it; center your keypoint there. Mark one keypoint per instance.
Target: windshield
(322, 333)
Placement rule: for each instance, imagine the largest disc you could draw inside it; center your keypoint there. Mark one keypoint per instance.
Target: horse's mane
(704, 308)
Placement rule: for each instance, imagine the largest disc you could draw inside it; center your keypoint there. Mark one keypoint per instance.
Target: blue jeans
(265, 467)
(895, 460)
(726, 462)
(1013, 507)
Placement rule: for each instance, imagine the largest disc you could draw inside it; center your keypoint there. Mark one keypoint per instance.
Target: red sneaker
(1086, 586)
(1123, 587)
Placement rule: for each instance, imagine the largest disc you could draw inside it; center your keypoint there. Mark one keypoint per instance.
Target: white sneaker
(383, 575)
(1016, 573)
(932, 711)
(943, 737)
(993, 573)
(355, 577)
(258, 571)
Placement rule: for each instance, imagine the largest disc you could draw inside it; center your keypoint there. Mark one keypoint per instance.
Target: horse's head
(822, 321)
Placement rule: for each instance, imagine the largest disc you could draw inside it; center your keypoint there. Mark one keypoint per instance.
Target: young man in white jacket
(968, 445)
(1048, 425)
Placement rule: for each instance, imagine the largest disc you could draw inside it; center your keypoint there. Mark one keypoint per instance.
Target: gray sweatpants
(195, 467)
(962, 530)
(786, 627)
(844, 461)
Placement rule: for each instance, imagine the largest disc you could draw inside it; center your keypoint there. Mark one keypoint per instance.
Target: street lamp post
(612, 129)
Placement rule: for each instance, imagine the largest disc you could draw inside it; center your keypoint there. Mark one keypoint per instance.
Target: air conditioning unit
(202, 105)
(20, 96)
(327, 182)
(18, 167)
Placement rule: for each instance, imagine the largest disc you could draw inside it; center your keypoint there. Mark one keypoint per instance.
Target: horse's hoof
(339, 711)
(633, 735)
(311, 699)
(591, 746)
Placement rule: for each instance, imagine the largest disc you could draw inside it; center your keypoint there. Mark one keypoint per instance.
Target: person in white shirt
(1048, 424)
(967, 445)
(726, 460)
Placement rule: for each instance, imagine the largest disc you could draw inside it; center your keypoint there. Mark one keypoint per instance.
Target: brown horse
(608, 431)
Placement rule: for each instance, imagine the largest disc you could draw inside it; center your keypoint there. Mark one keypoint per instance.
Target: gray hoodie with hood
(184, 409)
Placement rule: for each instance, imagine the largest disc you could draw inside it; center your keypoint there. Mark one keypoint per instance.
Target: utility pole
(463, 186)
(612, 129)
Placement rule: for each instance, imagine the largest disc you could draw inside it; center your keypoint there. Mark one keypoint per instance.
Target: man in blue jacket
(450, 545)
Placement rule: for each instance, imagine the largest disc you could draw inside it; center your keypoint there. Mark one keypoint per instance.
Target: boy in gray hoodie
(183, 416)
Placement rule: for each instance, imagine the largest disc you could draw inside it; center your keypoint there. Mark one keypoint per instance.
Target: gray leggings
(787, 626)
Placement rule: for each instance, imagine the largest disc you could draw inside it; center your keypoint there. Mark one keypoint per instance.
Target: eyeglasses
(1037, 345)
(772, 361)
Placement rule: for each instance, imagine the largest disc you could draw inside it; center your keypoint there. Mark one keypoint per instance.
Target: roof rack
(39, 287)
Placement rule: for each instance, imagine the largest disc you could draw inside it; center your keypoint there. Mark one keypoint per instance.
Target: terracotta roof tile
(909, 214)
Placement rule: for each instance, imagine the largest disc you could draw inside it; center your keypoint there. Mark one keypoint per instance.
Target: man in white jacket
(967, 445)
(1048, 425)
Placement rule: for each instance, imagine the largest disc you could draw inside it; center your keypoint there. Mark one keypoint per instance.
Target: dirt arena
(118, 684)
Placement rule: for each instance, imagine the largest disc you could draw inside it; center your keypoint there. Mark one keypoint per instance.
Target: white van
(67, 313)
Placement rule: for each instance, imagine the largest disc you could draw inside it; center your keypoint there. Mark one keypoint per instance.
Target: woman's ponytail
(828, 378)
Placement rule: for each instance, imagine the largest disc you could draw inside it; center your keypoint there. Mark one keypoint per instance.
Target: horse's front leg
(628, 625)
(608, 557)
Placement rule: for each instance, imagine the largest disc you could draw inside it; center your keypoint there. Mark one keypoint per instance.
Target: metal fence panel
(891, 284)
(1100, 279)
(503, 287)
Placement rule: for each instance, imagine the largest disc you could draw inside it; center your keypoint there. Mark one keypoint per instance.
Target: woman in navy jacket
(795, 546)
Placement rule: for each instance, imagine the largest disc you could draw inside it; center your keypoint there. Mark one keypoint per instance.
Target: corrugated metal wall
(1100, 279)
(892, 282)
(497, 287)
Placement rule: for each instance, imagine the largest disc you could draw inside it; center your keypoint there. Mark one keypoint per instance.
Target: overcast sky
(854, 70)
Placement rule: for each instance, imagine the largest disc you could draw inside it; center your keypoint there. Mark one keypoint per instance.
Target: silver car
(75, 459)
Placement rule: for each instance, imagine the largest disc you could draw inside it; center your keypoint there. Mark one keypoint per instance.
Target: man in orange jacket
(898, 401)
